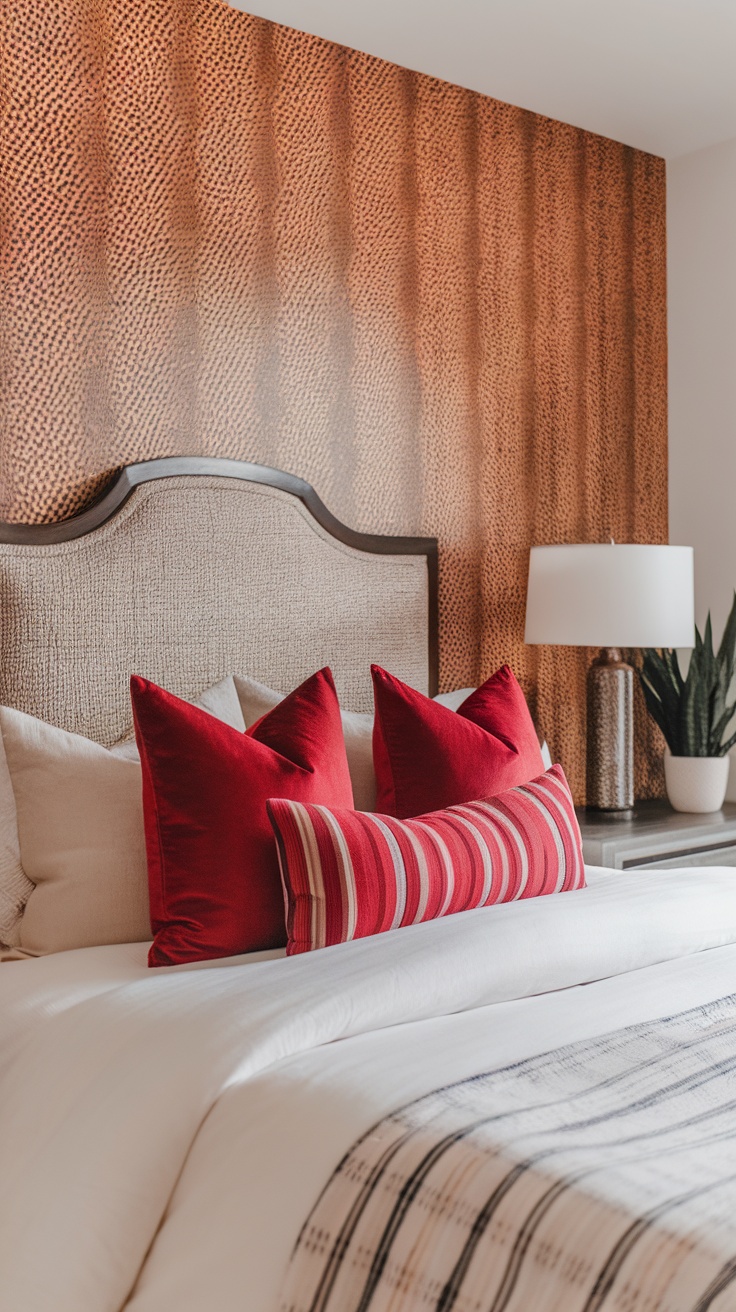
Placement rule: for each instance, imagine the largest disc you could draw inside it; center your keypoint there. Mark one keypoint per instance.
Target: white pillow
(72, 850)
(453, 700)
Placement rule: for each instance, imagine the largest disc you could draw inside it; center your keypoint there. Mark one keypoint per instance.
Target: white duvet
(163, 1135)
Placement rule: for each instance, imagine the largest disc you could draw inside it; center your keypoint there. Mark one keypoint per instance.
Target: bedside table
(656, 837)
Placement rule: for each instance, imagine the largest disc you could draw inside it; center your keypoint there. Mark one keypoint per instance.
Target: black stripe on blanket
(597, 1178)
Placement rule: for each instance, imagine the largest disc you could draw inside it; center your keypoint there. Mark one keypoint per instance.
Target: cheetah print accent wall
(222, 236)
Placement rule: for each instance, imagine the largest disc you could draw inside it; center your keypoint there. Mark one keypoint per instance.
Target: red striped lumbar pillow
(348, 874)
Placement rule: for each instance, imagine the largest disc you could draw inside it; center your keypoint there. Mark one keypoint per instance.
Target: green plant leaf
(697, 699)
(713, 701)
(694, 712)
(657, 712)
(727, 649)
(662, 686)
(725, 748)
(726, 664)
(721, 725)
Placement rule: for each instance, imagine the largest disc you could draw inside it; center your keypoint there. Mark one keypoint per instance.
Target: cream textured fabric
(72, 852)
(196, 577)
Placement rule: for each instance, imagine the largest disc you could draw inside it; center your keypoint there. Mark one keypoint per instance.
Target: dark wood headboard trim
(110, 500)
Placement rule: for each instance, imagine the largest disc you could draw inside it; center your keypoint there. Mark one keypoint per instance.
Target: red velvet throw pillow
(348, 874)
(213, 871)
(427, 757)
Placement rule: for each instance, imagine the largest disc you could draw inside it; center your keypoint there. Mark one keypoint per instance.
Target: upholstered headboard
(190, 569)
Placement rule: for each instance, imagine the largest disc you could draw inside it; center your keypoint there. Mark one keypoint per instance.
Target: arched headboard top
(188, 569)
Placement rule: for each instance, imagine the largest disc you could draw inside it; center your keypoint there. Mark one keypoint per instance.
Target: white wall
(701, 220)
(658, 75)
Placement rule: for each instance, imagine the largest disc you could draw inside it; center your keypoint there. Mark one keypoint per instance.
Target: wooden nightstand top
(656, 836)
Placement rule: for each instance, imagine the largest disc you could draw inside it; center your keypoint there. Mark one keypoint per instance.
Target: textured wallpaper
(222, 236)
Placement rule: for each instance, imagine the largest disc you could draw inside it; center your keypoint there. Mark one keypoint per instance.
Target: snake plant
(694, 712)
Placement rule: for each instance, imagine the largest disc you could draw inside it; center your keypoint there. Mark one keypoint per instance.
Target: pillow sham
(348, 875)
(213, 869)
(428, 757)
(72, 850)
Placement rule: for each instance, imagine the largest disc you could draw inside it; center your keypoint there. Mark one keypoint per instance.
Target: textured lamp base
(610, 774)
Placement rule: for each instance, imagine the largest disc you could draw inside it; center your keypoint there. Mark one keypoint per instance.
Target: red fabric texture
(213, 869)
(427, 757)
(348, 874)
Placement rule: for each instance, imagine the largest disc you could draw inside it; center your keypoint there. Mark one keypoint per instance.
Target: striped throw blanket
(597, 1178)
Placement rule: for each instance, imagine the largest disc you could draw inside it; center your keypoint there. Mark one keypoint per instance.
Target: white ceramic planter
(696, 783)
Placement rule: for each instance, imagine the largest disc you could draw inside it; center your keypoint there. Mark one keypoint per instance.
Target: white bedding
(217, 1097)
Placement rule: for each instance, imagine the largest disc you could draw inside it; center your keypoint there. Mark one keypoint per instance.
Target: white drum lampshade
(611, 596)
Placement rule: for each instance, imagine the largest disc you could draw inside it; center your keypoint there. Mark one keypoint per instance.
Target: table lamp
(610, 596)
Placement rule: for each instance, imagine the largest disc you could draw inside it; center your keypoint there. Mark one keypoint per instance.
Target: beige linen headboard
(189, 569)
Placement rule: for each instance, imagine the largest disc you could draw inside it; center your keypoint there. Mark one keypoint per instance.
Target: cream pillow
(72, 851)
(15, 886)
(80, 827)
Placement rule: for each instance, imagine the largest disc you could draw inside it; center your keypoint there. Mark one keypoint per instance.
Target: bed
(526, 1106)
